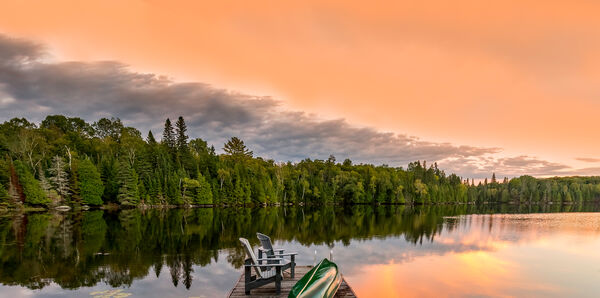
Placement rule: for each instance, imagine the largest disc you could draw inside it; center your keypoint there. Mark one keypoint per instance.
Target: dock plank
(286, 286)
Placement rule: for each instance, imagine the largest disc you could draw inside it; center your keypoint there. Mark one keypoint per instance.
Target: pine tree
(4, 197)
(91, 183)
(238, 193)
(168, 135)
(74, 185)
(109, 172)
(150, 139)
(59, 177)
(153, 191)
(203, 192)
(189, 188)
(172, 190)
(128, 185)
(182, 138)
(44, 184)
(236, 147)
(32, 191)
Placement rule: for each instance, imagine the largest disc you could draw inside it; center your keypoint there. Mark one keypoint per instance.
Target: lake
(383, 251)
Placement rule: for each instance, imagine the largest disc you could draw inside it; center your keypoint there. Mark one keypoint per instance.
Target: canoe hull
(321, 281)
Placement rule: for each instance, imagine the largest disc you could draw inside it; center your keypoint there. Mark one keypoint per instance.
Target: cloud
(33, 88)
(19, 50)
(587, 159)
(481, 167)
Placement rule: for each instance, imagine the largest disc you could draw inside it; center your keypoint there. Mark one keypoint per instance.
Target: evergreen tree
(4, 197)
(44, 184)
(34, 194)
(168, 135)
(172, 190)
(74, 185)
(128, 185)
(143, 192)
(59, 177)
(203, 192)
(91, 183)
(109, 172)
(189, 189)
(150, 139)
(236, 147)
(180, 129)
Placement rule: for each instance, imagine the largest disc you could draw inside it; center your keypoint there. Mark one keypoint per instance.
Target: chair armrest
(287, 254)
(275, 249)
(270, 259)
(266, 265)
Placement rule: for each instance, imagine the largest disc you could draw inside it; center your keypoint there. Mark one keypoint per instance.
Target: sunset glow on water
(392, 251)
(540, 255)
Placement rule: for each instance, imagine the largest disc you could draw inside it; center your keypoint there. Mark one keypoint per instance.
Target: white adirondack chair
(266, 273)
(270, 252)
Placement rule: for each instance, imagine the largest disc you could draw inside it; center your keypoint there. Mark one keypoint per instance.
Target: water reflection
(532, 255)
(383, 251)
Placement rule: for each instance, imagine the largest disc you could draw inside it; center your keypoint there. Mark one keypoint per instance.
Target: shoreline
(113, 207)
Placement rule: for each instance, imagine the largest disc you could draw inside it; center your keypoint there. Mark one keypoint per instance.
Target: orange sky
(520, 75)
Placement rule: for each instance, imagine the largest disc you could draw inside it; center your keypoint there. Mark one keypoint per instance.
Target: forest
(67, 161)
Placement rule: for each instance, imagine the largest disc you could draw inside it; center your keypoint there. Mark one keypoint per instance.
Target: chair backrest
(250, 254)
(265, 242)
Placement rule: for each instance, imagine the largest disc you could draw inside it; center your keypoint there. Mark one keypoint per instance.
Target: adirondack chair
(262, 276)
(270, 252)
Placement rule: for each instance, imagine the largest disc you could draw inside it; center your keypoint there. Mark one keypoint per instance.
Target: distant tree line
(66, 160)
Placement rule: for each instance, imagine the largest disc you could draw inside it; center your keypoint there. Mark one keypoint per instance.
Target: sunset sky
(511, 87)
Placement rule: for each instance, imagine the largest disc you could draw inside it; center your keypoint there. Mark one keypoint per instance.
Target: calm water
(390, 251)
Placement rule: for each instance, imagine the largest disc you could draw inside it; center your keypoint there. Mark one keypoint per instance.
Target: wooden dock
(286, 286)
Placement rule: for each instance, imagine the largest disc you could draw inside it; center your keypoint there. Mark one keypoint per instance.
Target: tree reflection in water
(82, 249)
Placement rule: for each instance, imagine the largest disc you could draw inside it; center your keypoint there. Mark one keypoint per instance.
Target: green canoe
(321, 281)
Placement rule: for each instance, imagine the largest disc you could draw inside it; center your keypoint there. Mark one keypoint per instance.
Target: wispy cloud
(588, 159)
(33, 88)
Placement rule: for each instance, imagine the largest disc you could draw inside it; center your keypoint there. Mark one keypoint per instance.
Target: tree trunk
(70, 158)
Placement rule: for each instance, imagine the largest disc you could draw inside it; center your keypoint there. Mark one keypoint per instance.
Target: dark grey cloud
(33, 87)
(19, 50)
